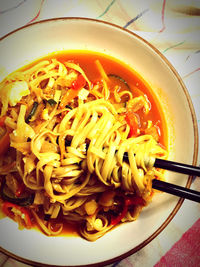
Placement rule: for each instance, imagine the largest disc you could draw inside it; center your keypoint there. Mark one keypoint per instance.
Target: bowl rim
(195, 129)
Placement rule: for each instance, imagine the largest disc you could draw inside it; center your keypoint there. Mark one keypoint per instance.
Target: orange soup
(67, 121)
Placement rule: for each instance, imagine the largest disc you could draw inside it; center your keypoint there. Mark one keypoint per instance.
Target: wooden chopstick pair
(173, 189)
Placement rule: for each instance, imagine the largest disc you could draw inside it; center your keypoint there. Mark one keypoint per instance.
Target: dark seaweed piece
(68, 106)
(47, 217)
(68, 140)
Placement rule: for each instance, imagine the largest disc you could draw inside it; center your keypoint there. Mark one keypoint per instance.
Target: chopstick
(176, 190)
(173, 166)
(177, 167)
(172, 188)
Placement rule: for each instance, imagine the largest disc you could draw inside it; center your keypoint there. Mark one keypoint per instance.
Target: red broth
(129, 77)
(137, 85)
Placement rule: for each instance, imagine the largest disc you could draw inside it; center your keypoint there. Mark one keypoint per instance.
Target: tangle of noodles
(68, 138)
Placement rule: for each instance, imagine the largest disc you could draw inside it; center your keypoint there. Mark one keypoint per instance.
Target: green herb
(119, 78)
(33, 110)
(51, 102)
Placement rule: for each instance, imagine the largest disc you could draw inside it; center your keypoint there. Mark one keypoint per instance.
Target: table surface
(173, 27)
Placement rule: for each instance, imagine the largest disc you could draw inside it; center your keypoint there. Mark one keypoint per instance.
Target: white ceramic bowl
(39, 39)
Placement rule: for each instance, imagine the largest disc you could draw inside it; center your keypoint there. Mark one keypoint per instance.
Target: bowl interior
(40, 39)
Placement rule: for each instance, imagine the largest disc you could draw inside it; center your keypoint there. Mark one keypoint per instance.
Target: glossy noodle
(66, 139)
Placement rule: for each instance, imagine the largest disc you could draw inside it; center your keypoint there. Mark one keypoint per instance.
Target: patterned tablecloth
(173, 27)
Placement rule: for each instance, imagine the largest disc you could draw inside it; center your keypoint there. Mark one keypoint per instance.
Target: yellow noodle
(75, 156)
(101, 70)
